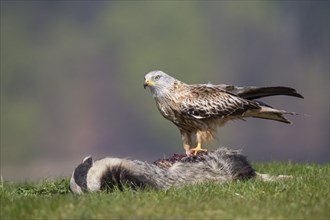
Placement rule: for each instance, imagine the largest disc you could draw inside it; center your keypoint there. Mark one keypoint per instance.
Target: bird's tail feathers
(267, 112)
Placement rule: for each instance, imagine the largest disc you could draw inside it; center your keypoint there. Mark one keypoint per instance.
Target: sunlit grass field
(305, 196)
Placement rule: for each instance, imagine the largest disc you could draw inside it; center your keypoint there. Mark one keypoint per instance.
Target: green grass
(306, 196)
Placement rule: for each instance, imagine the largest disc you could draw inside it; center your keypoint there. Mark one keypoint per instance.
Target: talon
(198, 149)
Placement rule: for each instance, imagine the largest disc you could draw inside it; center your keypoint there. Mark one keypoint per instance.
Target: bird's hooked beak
(148, 82)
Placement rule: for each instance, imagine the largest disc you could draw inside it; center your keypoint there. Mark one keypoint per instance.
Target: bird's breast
(165, 109)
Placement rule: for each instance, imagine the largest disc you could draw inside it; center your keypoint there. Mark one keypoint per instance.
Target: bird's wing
(253, 92)
(207, 101)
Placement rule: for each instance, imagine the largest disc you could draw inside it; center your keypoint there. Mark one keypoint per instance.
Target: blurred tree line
(72, 75)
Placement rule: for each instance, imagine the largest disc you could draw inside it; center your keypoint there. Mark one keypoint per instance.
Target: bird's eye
(157, 77)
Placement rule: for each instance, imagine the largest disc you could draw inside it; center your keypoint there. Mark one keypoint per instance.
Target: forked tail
(267, 112)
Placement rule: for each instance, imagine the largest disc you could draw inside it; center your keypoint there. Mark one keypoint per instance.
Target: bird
(199, 109)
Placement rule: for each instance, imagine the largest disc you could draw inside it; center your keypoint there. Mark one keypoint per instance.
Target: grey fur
(215, 166)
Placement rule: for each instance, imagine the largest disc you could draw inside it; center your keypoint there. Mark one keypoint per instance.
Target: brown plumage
(198, 109)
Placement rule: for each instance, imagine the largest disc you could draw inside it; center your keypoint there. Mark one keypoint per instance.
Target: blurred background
(72, 78)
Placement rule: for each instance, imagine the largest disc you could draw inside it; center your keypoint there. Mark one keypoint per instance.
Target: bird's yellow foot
(198, 149)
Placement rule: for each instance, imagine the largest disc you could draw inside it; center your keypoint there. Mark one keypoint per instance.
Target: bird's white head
(159, 83)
